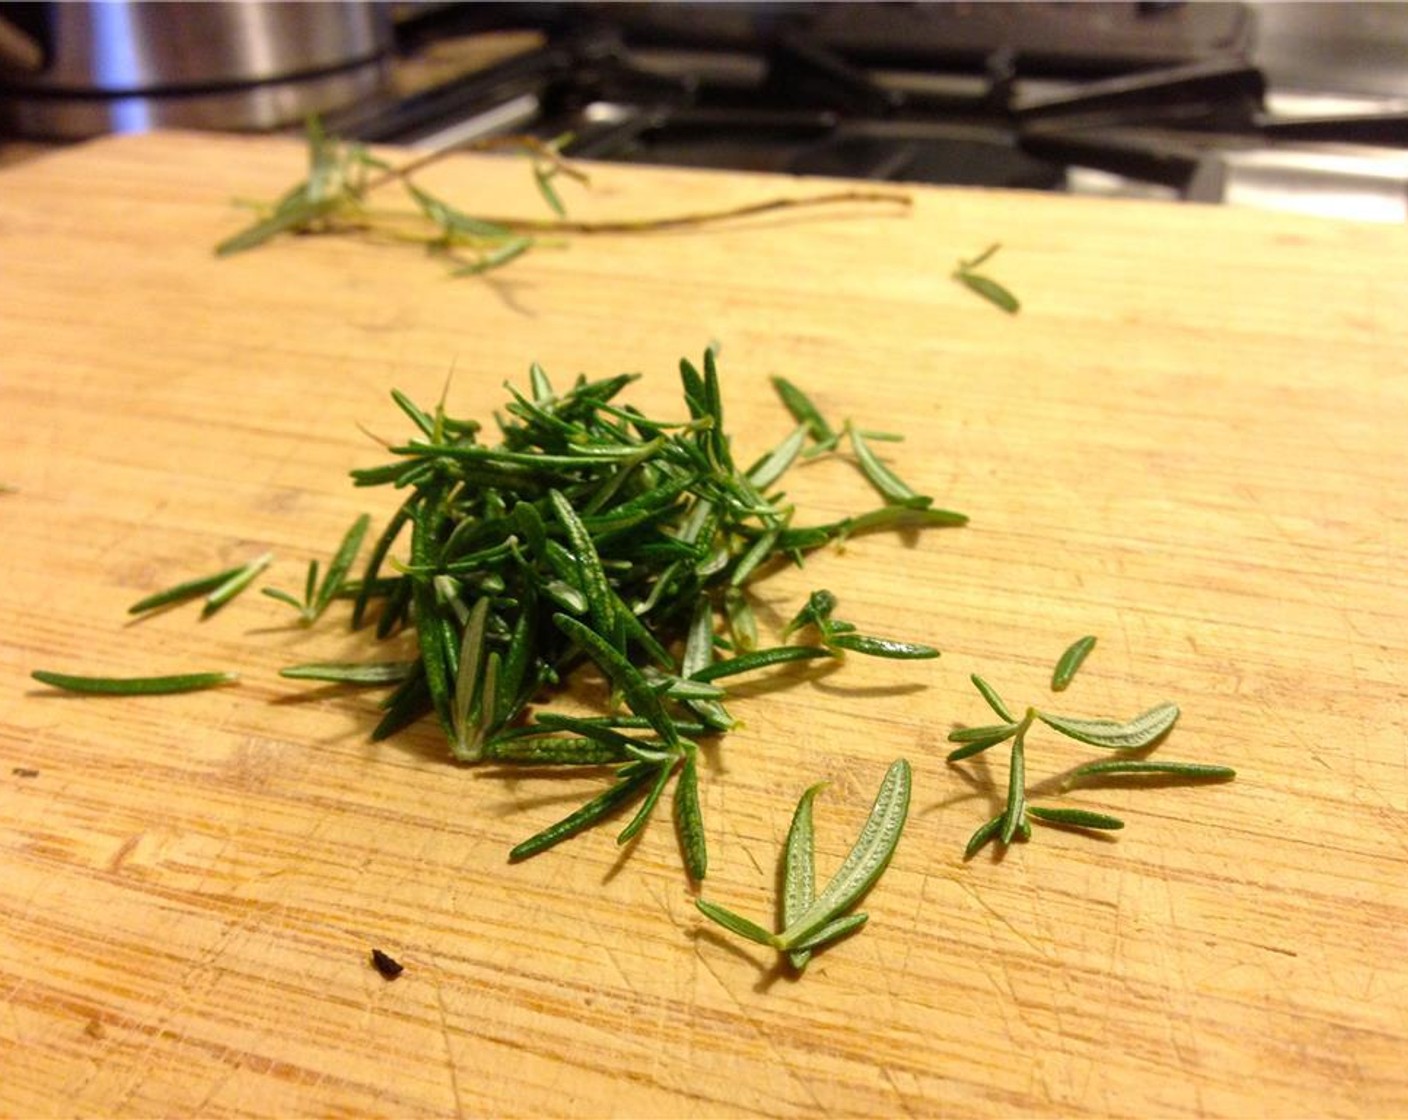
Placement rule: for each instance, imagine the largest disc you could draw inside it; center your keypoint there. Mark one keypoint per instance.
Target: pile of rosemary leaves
(588, 532)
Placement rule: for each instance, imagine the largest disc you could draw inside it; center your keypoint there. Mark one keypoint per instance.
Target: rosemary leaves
(592, 534)
(1141, 733)
(812, 921)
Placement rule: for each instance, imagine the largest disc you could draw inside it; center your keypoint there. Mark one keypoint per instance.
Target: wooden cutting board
(1191, 443)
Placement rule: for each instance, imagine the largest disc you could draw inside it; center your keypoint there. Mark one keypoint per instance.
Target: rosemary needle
(237, 582)
(134, 686)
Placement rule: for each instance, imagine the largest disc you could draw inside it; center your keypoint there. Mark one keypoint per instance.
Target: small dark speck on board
(24, 772)
(387, 966)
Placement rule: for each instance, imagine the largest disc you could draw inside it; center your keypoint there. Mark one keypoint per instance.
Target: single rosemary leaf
(890, 486)
(699, 640)
(984, 833)
(1141, 731)
(1075, 818)
(310, 588)
(282, 597)
(182, 591)
(639, 695)
(994, 701)
(133, 686)
(541, 385)
(496, 258)
(803, 410)
(760, 659)
(689, 821)
(773, 466)
(735, 923)
(241, 579)
(337, 570)
(978, 746)
(981, 258)
(552, 751)
(543, 177)
(593, 811)
(1070, 661)
(352, 672)
(469, 682)
(636, 823)
(883, 647)
(600, 733)
(1016, 790)
(453, 220)
(435, 657)
(1135, 768)
(866, 860)
(827, 935)
(409, 702)
(799, 870)
(417, 416)
(989, 289)
(989, 733)
(742, 622)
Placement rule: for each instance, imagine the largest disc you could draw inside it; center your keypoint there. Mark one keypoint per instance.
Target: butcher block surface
(1190, 443)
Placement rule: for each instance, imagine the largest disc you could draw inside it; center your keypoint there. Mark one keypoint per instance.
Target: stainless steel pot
(71, 70)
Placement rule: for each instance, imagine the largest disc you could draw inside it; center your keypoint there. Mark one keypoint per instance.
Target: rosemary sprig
(341, 175)
(812, 921)
(134, 686)
(1142, 732)
(985, 286)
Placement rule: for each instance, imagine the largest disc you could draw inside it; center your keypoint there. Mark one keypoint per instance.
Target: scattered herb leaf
(134, 686)
(1070, 661)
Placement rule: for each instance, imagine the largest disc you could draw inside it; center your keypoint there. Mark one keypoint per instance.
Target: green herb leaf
(799, 870)
(689, 821)
(625, 676)
(1074, 818)
(827, 935)
(341, 564)
(593, 811)
(1118, 768)
(1070, 661)
(891, 487)
(990, 290)
(803, 410)
(236, 583)
(883, 647)
(352, 672)
(984, 833)
(993, 699)
(1142, 731)
(760, 659)
(1016, 790)
(734, 923)
(133, 686)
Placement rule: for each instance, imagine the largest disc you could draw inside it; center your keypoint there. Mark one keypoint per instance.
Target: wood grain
(1190, 443)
